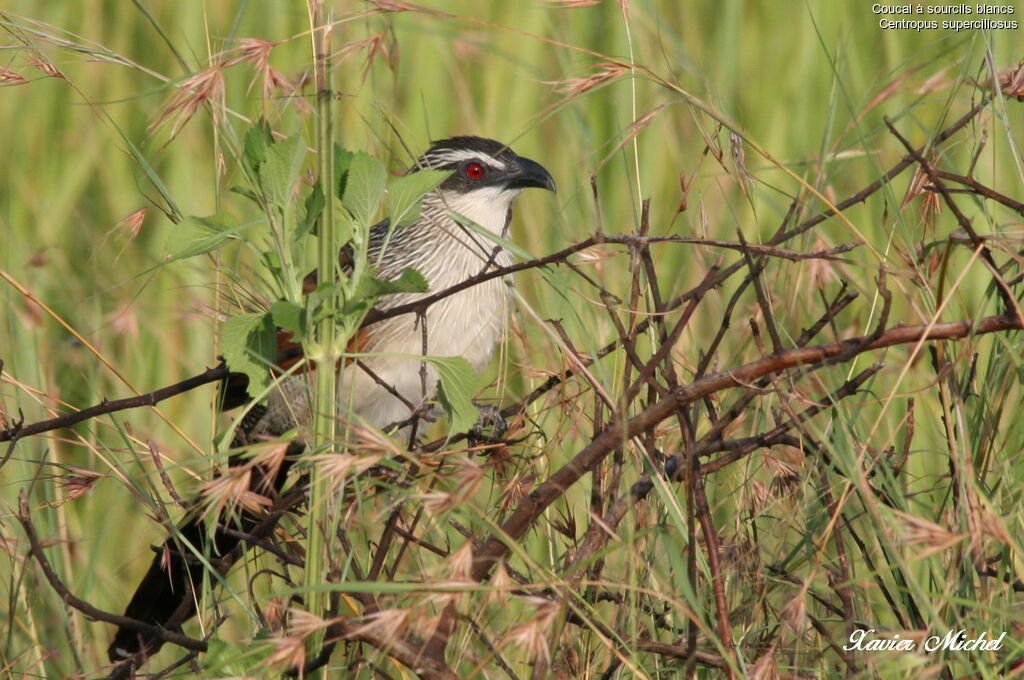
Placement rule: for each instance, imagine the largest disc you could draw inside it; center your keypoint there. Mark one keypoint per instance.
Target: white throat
(487, 206)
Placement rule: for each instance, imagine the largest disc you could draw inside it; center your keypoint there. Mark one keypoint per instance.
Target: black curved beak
(531, 174)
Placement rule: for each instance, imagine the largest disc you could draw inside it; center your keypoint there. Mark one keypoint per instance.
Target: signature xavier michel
(953, 640)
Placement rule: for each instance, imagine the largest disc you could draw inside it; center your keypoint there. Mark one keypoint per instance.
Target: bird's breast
(468, 323)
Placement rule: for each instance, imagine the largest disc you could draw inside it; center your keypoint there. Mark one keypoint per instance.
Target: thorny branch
(542, 497)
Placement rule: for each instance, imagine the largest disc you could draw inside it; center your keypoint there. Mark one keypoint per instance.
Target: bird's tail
(167, 595)
(165, 598)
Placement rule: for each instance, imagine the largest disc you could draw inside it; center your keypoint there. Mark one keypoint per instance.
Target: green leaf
(405, 194)
(409, 281)
(147, 169)
(248, 193)
(257, 141)
(342, 163)
(364, 188)
(249, 346)
(457, 383)
(344, 225)
(369, 289)
(280, 172)
(491, 236)
(197, 235)
(325, 292)
(315, 203)
(272, 262)
(290, 316)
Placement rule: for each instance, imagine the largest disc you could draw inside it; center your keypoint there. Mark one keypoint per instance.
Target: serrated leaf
(370, 288)
(406, 193)
(364, 188)
(342, 163)
(315, 203)
(290, 316)
(249, 346)
(326, 291)
(409, 281)
(254, 147)
(344, 225)
(280, 172)
(457, 381)
(272, 262)
(196, 235)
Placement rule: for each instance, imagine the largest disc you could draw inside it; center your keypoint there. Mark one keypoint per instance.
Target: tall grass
(640, 96)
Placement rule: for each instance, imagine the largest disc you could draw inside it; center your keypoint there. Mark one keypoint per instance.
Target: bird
(389, 389)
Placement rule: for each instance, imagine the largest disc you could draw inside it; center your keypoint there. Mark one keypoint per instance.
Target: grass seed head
(9, 77)
(386, 626)
(206, 86)
(46, 67)
(604, 72)
(917, 531)
(501, 584)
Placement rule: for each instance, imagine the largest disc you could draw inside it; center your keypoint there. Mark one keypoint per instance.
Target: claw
(490, 418)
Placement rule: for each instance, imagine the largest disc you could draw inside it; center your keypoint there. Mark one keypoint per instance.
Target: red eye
(474, 171)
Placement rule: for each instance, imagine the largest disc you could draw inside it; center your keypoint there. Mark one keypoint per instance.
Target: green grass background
(807, 82)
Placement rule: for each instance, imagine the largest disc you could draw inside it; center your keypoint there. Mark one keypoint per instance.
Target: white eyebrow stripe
(440, 158)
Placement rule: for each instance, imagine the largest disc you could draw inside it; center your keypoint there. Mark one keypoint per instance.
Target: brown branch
(762, 301)
(669, 341)
(530, 509)
(991, 572)
(743, 447)
(149, 399)
(600, 531)
(677, 652)
(1009, 300)
(982, 190)
(780, 237)
(377, 315)
(406, 652)
(711, 548)
(708, 443)
(708, 353)
(840, 579)
(36, 551)
(893, 172)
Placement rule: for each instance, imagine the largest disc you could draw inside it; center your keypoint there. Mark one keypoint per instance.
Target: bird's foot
(490, 425)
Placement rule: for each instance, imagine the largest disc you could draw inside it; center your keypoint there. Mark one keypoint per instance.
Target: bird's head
(486, 177)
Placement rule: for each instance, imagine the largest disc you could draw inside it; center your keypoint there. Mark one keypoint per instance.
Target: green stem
(324, 422)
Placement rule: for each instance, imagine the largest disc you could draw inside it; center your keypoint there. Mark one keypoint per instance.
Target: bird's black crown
(479, 162)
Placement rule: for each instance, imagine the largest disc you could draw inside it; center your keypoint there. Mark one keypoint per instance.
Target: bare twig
(36, 551)
(526, 514)
(1010, 305)
(717, 577)
(150, 399)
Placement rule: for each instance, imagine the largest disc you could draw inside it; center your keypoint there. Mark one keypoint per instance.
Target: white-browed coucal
(486, 177)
